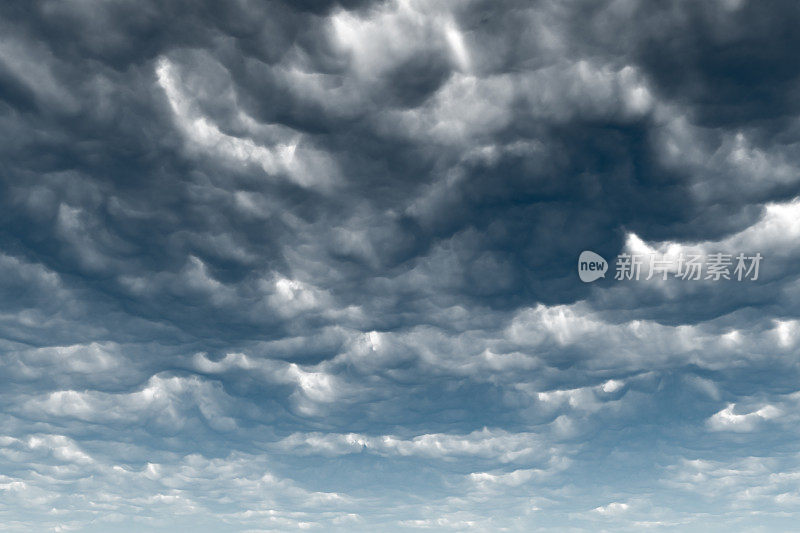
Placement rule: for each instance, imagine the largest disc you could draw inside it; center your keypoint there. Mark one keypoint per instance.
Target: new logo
(591, 266)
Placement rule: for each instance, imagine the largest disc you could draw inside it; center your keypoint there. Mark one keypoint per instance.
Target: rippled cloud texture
(268, 266)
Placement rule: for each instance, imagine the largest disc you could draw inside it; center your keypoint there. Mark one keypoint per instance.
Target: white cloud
(165, 401)
(497, 445)
(613, 508)
(727, 420)
(305, 166)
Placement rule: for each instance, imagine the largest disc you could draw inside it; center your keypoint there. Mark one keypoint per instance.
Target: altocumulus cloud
(268, 266)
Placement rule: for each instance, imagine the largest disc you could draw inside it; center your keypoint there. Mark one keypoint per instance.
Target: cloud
(727, 420)
(286, 265)
(493, 445)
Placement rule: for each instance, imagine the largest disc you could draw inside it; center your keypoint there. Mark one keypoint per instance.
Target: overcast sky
(307, 264)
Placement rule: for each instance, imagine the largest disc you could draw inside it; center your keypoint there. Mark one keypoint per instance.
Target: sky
(313, 265)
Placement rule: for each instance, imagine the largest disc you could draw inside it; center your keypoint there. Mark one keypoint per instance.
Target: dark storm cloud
(594, 172)
(253, 253)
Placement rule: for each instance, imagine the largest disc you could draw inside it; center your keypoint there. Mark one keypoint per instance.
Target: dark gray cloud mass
(268, 266)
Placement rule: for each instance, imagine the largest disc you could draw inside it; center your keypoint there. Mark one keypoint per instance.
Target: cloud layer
(268, 266)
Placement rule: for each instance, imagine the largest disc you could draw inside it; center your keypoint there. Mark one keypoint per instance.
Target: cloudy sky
(267, 266)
